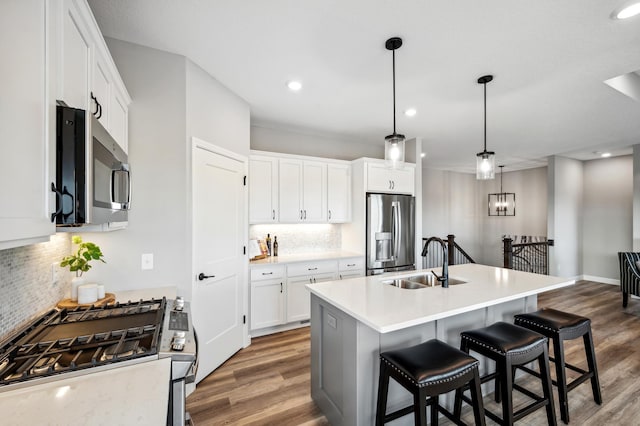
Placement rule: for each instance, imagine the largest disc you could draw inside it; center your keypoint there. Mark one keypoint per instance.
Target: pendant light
(394, 143)
(504, 203)
(485, 160)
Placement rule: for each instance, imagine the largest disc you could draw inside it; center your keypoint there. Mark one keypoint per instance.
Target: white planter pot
(75, 283)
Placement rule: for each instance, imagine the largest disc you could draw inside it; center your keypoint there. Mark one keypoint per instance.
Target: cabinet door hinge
(244, 249)
(244, 319)
(244, 181)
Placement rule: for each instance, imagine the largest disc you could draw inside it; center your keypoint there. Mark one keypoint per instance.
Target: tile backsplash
(300, 238)
(26, 288)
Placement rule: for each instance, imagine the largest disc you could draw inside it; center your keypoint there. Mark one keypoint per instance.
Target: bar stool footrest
(399, 413)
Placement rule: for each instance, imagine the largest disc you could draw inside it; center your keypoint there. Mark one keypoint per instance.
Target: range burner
(118, 350)
(70, 340)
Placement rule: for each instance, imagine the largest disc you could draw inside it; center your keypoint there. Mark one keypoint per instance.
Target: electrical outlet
(147, 261)
(55, 266)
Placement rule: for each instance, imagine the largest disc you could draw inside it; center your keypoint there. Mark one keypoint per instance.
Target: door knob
(202, 276)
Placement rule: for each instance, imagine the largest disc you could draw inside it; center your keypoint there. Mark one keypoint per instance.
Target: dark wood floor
(268, 383)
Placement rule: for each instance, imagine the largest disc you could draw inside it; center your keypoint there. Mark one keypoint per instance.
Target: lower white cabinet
(279, 295)
(298, 296)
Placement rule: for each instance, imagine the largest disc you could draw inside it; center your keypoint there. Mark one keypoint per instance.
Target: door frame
(197, 143)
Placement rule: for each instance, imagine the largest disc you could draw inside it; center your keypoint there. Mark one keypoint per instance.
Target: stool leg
(457, 405)
(476, 397)
(625, 299)
(561, 378)
(434, 410)
(383, 388)
(420, 407)
(506, 386)
(547, 386)
(591, 361)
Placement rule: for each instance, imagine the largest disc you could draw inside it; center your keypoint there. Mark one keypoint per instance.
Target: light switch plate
(147, 261)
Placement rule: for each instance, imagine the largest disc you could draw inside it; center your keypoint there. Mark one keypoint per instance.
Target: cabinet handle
(340, 276)
(350, 264)
(305, 215)
(393, 184)
(280, 287)
(389, 184)
(94, 99)
(273, 214)
(312, 269)
(300, 214)
(310, 281)
(314, 279)
(99, 110)
(267, 273)
(329, 214)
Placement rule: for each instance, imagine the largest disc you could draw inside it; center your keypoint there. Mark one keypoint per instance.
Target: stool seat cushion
(503, 338)
(430, 362)
(552, 319)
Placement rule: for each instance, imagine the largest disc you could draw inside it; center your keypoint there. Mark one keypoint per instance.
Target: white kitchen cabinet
(263, 189)
(338, 193)
(386, 179)
(299, 297)
(27, 124)
(351, 267)
(87, 78)
(267, 296)
(302, 191)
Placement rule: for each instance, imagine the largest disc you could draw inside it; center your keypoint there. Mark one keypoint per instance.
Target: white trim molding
(602, 280)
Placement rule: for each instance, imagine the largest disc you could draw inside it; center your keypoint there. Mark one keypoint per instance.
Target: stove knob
(178, 304)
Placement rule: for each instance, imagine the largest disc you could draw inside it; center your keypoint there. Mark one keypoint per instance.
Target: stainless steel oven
(93, 177)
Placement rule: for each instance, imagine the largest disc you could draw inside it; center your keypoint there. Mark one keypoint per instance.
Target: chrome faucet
(444, 278)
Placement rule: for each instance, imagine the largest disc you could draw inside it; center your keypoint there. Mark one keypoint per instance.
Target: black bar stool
(510, 346)
(428, 370)
(560, 326)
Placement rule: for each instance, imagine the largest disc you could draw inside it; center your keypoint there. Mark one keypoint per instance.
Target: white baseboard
(279, 328)
(602, 280)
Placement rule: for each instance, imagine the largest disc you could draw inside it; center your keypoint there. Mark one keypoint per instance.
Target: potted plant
(81, 262)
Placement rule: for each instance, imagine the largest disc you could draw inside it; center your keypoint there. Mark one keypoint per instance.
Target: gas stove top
(66, 341)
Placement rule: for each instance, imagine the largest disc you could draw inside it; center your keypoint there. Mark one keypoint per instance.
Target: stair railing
(432, 252)
(530, 255)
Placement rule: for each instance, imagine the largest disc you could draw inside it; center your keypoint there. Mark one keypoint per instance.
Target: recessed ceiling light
(410, 112)
(422, 155)
(294, 85)
(627, 11)
(605, 155)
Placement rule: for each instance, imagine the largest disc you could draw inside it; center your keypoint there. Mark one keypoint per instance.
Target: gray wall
(457, 203)
(565, 182)
(173, 100)
(607, 214)
(294, 142)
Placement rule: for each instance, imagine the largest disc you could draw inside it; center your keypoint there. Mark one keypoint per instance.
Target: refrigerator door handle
(395, 229)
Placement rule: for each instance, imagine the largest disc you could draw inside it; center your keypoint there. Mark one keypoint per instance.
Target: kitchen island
(353, 321)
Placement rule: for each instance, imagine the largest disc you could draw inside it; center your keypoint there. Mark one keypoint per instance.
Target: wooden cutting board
(72, 304)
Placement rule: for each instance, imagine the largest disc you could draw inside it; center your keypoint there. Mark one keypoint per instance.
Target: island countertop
(386, 308)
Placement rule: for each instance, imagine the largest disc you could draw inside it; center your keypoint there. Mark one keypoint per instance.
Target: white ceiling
(549, 59)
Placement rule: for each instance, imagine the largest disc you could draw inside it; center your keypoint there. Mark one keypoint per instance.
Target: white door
(219, 228)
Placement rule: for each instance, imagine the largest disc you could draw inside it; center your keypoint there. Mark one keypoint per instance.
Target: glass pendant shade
(485, 165)
(394, 148)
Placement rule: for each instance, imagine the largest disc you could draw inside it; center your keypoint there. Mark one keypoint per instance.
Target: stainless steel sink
(406, 284)
(430, 280)
(419, 281)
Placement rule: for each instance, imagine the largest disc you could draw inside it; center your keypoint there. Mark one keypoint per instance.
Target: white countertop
(133, 395)
(386, 308)
(303, 257)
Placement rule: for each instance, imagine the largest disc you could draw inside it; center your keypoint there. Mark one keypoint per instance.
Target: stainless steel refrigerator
(390, 233)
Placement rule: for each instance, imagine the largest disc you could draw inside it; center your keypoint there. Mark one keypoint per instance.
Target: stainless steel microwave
(93, 181)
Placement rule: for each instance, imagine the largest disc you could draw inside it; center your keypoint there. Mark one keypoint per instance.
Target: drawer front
(351, 264)
(267, 273)
(312, 268)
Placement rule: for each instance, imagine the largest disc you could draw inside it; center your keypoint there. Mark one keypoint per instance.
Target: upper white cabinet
(338, 193)
(302, 191)
(263, 189)
(27, 124)
(87, 76)
(382, 178)
(296, 189)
